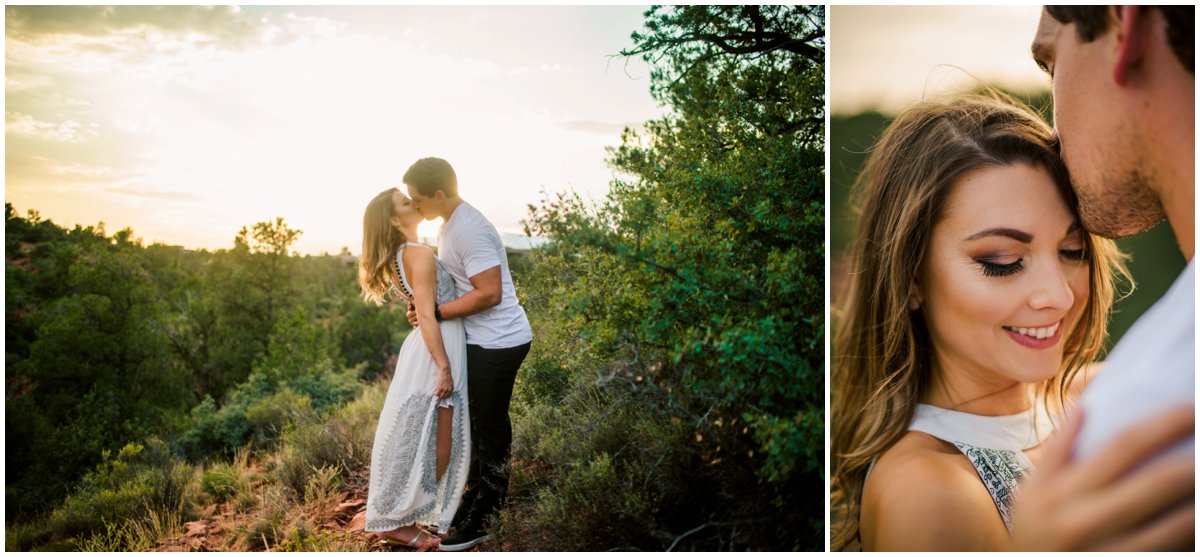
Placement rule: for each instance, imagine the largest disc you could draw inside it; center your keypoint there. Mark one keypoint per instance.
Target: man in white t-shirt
(498, 337)
(1123, 81)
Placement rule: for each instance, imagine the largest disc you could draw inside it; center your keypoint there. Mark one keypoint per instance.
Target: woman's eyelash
(1000, 269)
(991, 269)
(1074, 254)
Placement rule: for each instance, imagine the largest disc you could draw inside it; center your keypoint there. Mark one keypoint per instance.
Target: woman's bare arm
(422, 272)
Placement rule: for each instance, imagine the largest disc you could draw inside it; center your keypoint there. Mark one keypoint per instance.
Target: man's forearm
(470, 303)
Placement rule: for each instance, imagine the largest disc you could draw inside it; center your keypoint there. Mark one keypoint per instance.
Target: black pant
(490, 377)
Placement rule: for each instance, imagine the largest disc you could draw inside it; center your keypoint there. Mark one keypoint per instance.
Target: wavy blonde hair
(881, 363)
(381, 241)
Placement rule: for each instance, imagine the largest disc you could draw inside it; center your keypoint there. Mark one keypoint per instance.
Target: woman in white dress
(975, 309)
(420, 459)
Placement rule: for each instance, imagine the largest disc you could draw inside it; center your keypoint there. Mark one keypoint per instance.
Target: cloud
(69, 131)
(155, 30)
(155, 194)
(31, 23)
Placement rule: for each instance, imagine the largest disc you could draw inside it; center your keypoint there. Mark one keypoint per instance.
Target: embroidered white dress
(403, 487)
(993, 444)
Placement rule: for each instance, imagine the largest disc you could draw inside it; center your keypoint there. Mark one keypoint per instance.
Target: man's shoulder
(468, 219)
(1150, 369)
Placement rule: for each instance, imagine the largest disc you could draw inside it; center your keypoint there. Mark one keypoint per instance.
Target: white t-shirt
(1151, 370)
(468, 244)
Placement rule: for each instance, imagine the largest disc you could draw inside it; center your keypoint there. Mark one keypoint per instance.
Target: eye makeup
(993, 269)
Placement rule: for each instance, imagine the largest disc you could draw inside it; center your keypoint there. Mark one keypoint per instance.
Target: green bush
(268, 417)
(292, 384)
(231, 480)
(139, 483)
(343, 439)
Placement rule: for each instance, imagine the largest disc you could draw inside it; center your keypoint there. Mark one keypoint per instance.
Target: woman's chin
(1036, 372)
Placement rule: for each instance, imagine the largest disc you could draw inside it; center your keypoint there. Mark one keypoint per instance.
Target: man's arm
(487, 294)
(1109, 502)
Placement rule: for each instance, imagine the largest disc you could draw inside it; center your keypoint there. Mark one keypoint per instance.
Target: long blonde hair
(881, 362)
(381, 241)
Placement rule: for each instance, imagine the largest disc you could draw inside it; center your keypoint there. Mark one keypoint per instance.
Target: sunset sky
(187, 123)
(888, 57)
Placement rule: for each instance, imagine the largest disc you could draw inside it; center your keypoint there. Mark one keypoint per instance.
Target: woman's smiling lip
(1029, 336)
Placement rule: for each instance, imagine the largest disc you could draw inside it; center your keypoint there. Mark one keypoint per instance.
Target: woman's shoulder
(923, 494)
(416, 251)
(916, 456)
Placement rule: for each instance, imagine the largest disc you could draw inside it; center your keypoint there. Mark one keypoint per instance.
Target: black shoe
(469, 534)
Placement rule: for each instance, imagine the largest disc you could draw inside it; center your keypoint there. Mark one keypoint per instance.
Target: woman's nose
(1052, 288)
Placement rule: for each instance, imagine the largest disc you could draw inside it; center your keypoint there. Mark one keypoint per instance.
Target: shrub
(265, 529)
(268, 417)
(342, 440)
(324, 540)
(140, 483)
(133, 534)
(232, 480)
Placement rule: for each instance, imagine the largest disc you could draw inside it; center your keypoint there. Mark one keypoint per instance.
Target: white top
(1151, 370)
(469, 244)
(1015, 432)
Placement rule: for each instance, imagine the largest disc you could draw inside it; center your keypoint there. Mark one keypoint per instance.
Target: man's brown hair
(430, 175)
(1092, 21)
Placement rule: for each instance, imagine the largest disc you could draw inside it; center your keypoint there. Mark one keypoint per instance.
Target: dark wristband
(437, 312)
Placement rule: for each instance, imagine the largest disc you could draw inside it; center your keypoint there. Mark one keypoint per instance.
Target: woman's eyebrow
(1017, 235)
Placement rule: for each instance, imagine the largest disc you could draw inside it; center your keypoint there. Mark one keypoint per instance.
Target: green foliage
(146, 483)
(292, 383)
(368, 334)
(79, 355)
(323, 484)
(343, 440)
(596, 469)
(21, 537)
(324, 540)
(267, 526)
(133, 534)
(686, 311)
(109, 341)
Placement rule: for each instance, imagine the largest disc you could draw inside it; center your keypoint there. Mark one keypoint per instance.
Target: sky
(888, 57)
(188, 123)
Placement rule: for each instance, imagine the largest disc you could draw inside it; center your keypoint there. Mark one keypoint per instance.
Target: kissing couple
(441, 447)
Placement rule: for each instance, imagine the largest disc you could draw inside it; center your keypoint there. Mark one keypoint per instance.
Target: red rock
(197, 528)
(358, 523)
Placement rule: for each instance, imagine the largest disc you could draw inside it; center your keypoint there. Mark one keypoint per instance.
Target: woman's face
(403, 214)
(1005, 277)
